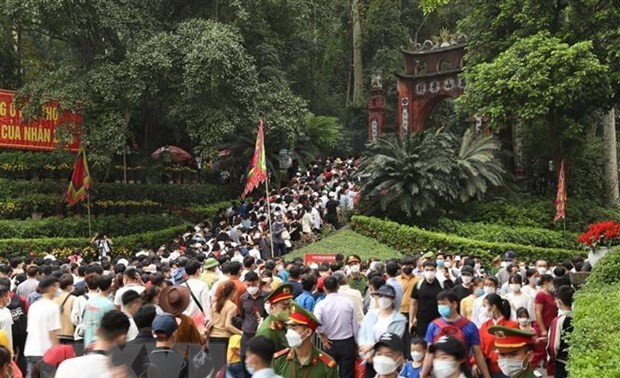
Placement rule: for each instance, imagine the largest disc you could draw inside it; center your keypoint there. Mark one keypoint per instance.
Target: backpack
(452, 329)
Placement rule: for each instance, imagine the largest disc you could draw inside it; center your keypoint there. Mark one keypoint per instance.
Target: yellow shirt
(408, 284)
(233, 354)
(467, 306)
(276, 282)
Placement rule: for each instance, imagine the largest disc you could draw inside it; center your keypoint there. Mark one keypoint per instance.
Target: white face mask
(447, 264)
(477, 266)
(267, 308)
(384, 365)
(489, 290)
(514, 287)
(252, 290)
(542, 270)
(524, 322)
(511, 367)
(417, 356)
(444, 368)
(466, 279)
(355, 268)
(385, 302)
(429, 275)
(293, 338)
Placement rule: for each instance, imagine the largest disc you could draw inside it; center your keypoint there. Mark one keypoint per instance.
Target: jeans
(236, 370)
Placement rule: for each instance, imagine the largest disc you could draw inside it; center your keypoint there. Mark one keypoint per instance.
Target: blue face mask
(249, 368)
(479, 292)
(444, 310)
(439, 262)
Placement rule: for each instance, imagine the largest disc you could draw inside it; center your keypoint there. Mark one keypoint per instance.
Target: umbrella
(177, 154)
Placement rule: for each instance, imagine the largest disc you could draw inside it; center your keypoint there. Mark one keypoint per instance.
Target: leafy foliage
(536, 236)
(414, 239)
(595, 340)
(418, 172)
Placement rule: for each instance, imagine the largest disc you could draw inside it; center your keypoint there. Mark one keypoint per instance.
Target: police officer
(516, 351)
(303, 359)
(273, 327)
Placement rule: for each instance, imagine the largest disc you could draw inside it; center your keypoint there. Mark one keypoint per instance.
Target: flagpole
(269, 212)
(90, 230)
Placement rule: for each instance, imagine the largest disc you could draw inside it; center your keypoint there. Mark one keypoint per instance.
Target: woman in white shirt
(517, 298)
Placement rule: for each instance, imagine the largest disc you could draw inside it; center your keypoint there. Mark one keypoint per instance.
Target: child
(235, 365)
(413, 368)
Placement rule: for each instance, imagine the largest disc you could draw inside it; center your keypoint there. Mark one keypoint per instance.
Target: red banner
(36, 134)
(319, 258)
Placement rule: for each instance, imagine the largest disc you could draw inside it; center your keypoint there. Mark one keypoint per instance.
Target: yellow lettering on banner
(13, 110)
(2, 109)
(10, 132)
(51, 113)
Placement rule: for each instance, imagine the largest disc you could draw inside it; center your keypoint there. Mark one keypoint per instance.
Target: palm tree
(411, 175)
(477, 165)
(429, 168)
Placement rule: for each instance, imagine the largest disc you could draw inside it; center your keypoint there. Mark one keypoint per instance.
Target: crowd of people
(223, 300)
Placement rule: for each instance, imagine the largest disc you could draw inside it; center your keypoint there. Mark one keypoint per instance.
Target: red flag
(560, 199)
(80, 179)
(258, 166)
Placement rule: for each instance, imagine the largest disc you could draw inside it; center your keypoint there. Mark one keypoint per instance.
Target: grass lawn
(348, 242)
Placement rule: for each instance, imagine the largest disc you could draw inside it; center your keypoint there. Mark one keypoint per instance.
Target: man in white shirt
(97, 364)
(43, 323)
(131, 281)
(131, 303)
(353, 295)
(199, 290)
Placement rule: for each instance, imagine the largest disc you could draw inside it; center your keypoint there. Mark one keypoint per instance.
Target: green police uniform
(274, 330)
(286, 362)
(271, 327)
(507, 339)
(358, 283)
(320, 364)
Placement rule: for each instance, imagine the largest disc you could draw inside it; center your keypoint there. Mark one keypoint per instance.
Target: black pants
(279, 249)
(345, 354)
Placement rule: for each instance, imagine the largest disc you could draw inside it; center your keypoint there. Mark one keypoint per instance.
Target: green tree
(415, 175)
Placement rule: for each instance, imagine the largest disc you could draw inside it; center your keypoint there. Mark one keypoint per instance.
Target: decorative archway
(431, 74)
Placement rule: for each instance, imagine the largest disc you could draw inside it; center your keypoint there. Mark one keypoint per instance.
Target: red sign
(319, 258)
(36, 134)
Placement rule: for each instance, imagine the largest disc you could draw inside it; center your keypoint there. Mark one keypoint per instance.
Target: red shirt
(487, 341)
(550, 310)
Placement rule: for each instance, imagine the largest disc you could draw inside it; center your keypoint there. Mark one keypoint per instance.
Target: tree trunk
(611, 160)
(358, 71)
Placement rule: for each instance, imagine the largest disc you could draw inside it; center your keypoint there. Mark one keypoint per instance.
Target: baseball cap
(509, 255)
(390, 340)
(449, 345)
(164, 325)
(467, 269)
(385, 291)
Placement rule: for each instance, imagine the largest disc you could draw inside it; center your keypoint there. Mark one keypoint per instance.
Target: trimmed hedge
(411, 238)
(540, 237)
(64, 246)
(595, 341)
(19, 199)
(532, 211)
(72, 228)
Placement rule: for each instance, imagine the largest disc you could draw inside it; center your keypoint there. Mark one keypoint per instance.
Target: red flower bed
(600, 233)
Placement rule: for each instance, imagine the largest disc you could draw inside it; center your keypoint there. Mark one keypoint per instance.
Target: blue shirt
(472, 335)
(410, 372)
(306, 300)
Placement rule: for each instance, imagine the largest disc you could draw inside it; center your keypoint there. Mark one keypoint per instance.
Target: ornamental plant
(606, 233)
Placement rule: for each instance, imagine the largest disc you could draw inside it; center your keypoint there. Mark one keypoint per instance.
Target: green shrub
(536, 236)
(529, 211)
(411, 238)
(595, 342)
(152, 239)
(18, 199)
(209, 211)
(72, 228)
(35, 165)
